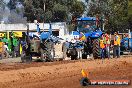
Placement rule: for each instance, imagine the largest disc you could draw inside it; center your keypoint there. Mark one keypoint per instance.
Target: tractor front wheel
(25, 58)
(84, 56)
(73, 57)
(74, 54)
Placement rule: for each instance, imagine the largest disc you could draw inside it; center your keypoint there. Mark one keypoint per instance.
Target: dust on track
(63, 74)
(19, 65)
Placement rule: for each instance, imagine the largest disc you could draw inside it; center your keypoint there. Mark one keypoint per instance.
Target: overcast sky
(6, 1)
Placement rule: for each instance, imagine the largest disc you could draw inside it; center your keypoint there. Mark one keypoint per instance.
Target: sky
(6, 1)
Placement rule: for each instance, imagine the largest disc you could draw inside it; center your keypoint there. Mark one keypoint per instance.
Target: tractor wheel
(52, 53)
(48, 53)
(29, 58)
(25, 58)
(96, 48)
(64, 50)
(64, 55)
(84, 56)
(43, 55)
(74, 54)
(73, 57)
(67, 53)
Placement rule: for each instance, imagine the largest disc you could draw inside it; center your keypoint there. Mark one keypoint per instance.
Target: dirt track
(65, 74)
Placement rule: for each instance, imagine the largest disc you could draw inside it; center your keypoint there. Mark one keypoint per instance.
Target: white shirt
(6, 47)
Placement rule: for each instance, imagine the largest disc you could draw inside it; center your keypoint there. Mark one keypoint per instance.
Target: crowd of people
(105, 44)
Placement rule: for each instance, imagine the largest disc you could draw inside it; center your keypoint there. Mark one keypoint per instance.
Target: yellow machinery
(5, 38)
(3, 52)
(18, 34)
(2, 35)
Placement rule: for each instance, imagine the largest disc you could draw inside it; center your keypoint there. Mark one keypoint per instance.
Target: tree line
(117, 14)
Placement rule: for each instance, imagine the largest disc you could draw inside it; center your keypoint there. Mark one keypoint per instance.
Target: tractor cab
(87, 25)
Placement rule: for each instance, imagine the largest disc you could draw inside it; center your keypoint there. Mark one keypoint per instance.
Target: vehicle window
(86, 26)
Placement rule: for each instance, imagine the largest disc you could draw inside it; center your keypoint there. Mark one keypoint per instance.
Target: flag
(82, 37)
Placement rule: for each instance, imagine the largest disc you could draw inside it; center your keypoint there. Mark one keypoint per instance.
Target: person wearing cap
(116, 50)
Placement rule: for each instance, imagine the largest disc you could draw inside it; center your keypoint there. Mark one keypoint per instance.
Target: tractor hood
(44, 35)
(96, 34)
(87, 34)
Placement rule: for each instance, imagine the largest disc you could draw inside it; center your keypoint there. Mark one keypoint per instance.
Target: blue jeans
(102, 52)
(108, 51)
(119, 51)
(116, 51)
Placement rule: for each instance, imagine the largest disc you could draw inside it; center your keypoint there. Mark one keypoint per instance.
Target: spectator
(102, 47)
(116, 50)
(107, 44)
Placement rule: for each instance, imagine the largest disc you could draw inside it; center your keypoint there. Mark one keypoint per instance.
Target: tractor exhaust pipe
(28, 41)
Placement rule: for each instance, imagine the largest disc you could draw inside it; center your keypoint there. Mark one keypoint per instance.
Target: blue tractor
(40, 44)
(87, 26)
(126, 45)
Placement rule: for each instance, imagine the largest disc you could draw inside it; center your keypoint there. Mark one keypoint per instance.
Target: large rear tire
(43, 55)
(84, 56)
(52, 53)
(96, 48)
(25, 58)
(48, 51)
(74, 54)
(73, 57)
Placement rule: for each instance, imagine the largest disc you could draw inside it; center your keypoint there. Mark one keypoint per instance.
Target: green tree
(12, 4)
(52, 10)
(115, 11)
(60, 12)
(77, 8)
(29, 10)
(48, 16)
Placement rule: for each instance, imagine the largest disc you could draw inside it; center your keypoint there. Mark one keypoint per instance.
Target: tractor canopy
(96, 34)
(87, 25)
(86, 19)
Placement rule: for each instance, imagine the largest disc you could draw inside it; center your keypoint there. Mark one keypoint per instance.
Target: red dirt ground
(64, 74)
